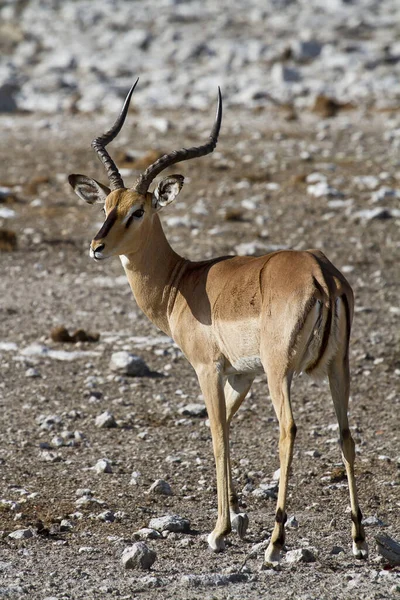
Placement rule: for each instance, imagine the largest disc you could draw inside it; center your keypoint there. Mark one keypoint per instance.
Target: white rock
(103, 466)
(7, 213)
(21, 534)
(126, 363)
(300, 555)
(173, 523)
(147, 534)
(292, 523)
(106, 420)
(138, 556)
(32, 372)
(193, 410)
(384, 193)
(322, 189)
(107, 516)
(160, 487)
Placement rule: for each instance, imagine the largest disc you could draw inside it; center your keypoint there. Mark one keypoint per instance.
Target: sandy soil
(49, 280)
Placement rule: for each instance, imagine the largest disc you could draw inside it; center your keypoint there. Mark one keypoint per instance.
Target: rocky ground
(309, 182)
(308, 157)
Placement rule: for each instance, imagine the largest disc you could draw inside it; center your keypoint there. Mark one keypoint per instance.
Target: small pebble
(138, 556)
(106, 420)
(160, 487)
(170, 523)
(21, 534)
(103, 466)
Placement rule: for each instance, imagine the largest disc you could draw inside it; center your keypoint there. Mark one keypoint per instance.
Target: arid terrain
(251, 196)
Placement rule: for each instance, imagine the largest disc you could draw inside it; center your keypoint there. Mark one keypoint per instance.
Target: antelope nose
(99, 248)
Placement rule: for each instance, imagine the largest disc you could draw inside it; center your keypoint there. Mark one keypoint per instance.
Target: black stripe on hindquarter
(325, 339)
(108, 223)
(348, 322)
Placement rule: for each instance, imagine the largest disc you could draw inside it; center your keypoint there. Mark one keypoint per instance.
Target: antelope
(233, 317)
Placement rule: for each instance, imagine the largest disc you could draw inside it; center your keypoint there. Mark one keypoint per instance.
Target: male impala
(233, 317)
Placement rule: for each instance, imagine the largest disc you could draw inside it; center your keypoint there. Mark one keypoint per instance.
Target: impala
(233, 317)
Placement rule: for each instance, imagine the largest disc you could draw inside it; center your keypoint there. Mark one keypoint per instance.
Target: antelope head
(130, 211)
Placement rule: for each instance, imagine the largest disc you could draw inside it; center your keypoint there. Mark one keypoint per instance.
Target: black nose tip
(99, 248)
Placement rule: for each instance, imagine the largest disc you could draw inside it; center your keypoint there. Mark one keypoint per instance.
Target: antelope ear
(167, 190)
(89, 190)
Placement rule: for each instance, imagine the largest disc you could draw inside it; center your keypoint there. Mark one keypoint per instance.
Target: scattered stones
(173, 523)
(107, 516)
(50, 422)
(138, 556)
(129, 364)
(106, 420)
(371, 214)
(193, 410)
(322, 189)
(32, 372)
(21, 534)
(304, 51)
(103, 466)
(161, 488)
(282, 74)
(300, 555)
(147, 534)
(212, 580)
(336, 550)
(388, 548)
(373, 521)
(292, 523)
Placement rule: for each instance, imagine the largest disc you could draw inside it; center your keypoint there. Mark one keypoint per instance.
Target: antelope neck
(153, 273)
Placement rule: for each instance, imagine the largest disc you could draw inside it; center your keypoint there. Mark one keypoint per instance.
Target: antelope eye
(138, 213)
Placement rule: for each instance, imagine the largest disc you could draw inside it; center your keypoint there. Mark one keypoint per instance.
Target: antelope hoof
(240, 523)
(216, 542)
(360, 550)
(272, 557)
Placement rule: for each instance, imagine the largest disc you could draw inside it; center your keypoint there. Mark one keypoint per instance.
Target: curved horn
(144, 180)
(100, 142)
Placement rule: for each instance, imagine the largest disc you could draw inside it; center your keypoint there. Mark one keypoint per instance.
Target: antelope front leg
(211, 384)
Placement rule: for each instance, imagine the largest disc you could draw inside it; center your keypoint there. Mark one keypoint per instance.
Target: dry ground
(49, 280)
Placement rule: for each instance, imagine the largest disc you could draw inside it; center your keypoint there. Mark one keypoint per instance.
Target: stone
(300, 555)
(193, 410)
(336, 550)
(322, 189)
(32, 372)
(107, 516)
(161, 488)
(138, 556)
(106, 420)
(304, 51)
(282, 74)
(372, 521)
(147, 534)
(292, 523)
(21, 534)
(129, 364)
(8, 103)
(103, 466)
(173, 523)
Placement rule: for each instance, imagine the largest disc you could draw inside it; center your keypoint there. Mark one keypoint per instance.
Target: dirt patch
(52, 392)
